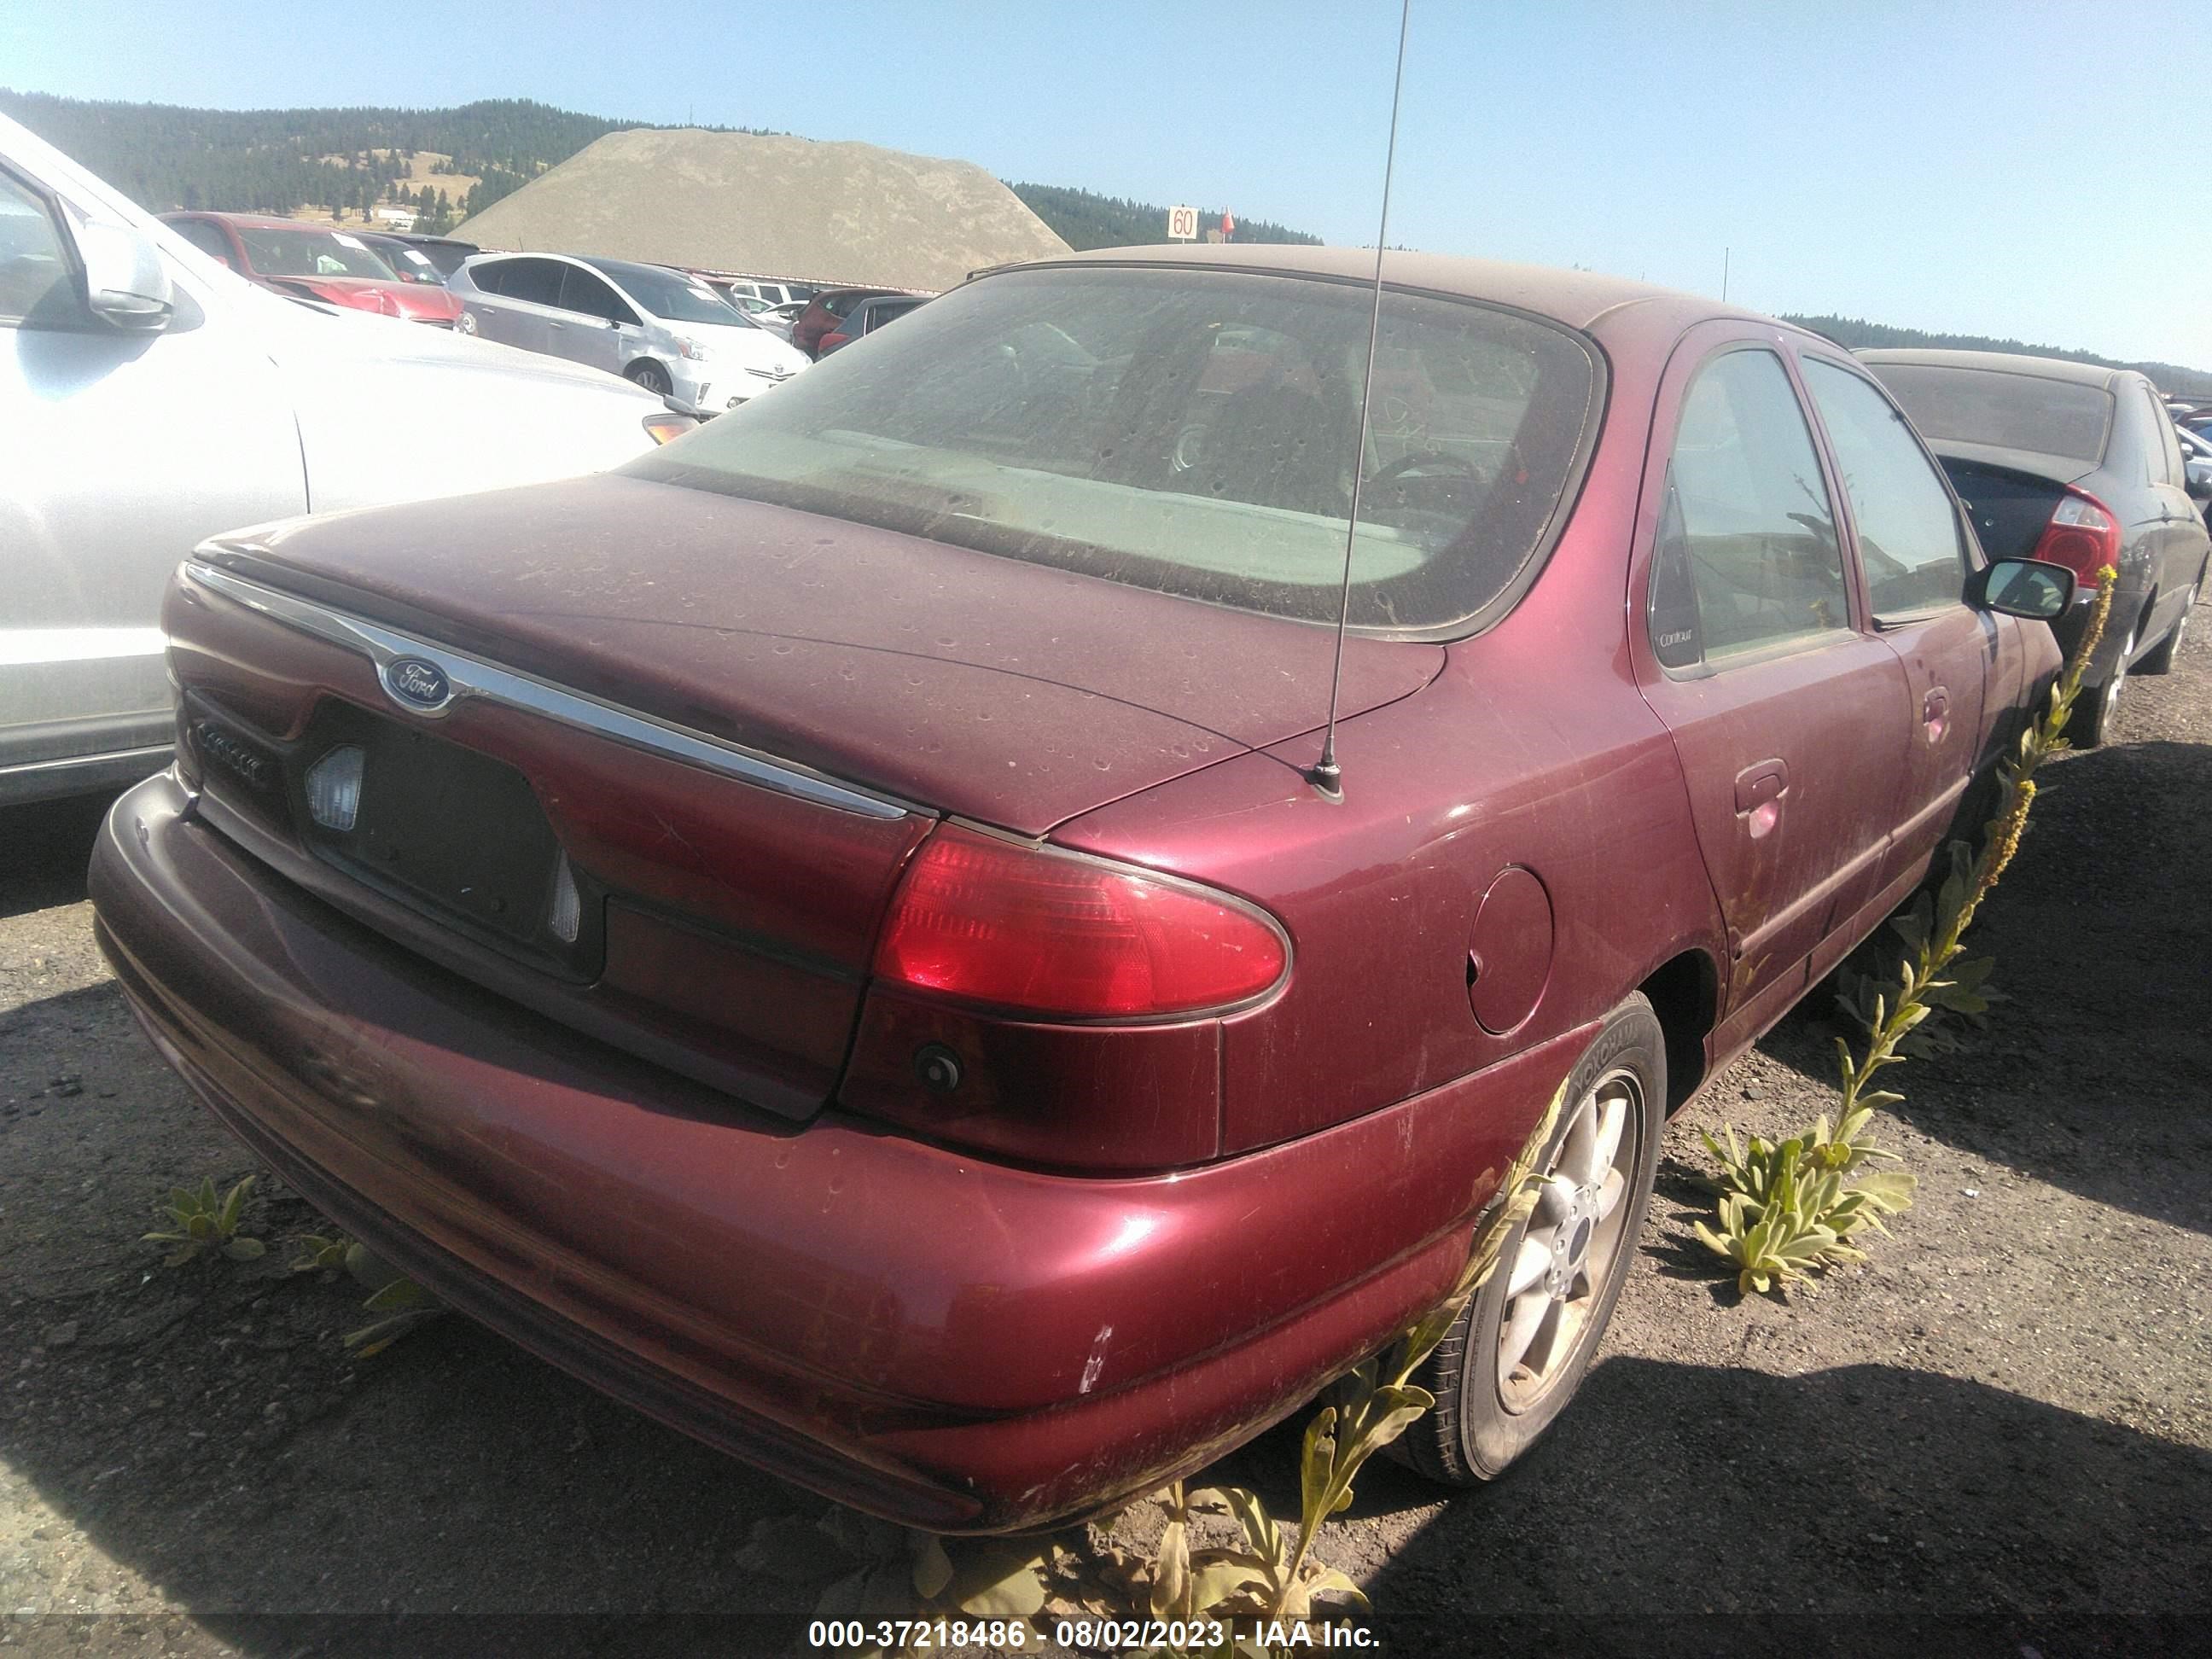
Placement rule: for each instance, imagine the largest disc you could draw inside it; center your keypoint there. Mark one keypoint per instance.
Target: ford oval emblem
(418, 683)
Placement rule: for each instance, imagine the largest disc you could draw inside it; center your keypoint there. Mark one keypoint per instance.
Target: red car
(314, 262)
(825, 312)
(836, 933)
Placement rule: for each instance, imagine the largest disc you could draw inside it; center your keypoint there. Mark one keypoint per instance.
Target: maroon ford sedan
(829, 934)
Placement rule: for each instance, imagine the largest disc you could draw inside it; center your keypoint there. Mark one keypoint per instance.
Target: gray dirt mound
(842, 213)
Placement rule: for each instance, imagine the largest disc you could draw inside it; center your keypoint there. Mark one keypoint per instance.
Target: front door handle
(1759, 784)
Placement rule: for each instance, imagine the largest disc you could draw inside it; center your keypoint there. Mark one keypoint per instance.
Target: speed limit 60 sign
(1182, 224)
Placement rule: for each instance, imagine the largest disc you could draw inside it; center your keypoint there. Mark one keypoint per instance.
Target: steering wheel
(1405, 463)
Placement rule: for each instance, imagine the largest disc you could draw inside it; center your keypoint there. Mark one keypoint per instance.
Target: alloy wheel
(1559, 1272)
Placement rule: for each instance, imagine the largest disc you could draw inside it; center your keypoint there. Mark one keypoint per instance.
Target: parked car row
(660, 329)
(152, 398)
(314, 262)
(670, 330)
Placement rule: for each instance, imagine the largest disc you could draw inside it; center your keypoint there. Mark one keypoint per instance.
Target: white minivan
(150, 398)
(665, 331)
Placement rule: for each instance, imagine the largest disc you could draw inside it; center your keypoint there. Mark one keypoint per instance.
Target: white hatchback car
(667, 332)
(150, 398)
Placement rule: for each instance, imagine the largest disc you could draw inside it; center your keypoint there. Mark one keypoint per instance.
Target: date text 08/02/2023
(903, 1635)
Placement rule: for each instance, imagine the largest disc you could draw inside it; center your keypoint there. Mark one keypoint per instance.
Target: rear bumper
(942, 1340)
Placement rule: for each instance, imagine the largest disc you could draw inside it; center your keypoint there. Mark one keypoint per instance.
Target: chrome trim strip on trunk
(468, 676)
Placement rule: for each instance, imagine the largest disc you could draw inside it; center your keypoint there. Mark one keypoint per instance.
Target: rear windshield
(281, 251)
(1189, 432)
(2003, 409)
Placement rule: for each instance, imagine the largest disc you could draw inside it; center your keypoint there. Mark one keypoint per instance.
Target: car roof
(263, 221)
(2004, 362)
(1576, 298)
(619, 268)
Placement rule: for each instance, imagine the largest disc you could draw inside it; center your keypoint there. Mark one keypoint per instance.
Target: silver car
(150, 398)
(665, 331)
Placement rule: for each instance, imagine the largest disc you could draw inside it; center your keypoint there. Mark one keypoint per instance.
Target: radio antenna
(1326, 774)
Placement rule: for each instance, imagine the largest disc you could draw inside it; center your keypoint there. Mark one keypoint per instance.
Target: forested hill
(1083, 220)
(279, 160)
(282, 160)
(1855, 333)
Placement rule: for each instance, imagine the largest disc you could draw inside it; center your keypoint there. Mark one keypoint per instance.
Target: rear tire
(2091, 723)
(1569, 1258)
(651, 376)
(2160, 661)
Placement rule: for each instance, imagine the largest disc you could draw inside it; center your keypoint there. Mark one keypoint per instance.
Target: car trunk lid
(988, 688)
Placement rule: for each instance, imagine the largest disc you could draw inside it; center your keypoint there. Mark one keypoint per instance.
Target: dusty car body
(133, 424)
(923, 1030)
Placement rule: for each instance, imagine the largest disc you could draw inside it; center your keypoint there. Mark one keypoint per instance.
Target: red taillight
(1016, 928)
(2082, 535)
(835, 338)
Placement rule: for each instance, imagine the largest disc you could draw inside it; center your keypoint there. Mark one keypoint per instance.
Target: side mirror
(2023, 587)
(2199, 475)
(126, 285)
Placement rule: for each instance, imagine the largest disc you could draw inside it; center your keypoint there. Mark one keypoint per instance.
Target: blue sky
(2025, 169)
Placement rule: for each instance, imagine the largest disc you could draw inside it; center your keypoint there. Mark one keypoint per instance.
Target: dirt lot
(2005, 1419)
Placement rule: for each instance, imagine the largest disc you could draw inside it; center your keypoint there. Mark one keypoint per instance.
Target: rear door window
(1909, 536)
(2163, 456)
(1747, 558)
(537, 281)
(884, 311)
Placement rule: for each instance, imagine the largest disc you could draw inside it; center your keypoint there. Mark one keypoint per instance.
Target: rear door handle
(1759, 783)
(1936, 714)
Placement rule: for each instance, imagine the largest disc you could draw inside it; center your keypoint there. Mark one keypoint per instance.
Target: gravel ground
(2004, 1419)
